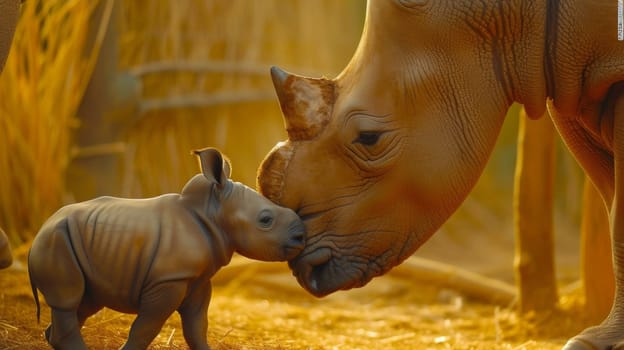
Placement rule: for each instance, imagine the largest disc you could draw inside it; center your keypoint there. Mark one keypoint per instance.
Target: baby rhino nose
(296, 233)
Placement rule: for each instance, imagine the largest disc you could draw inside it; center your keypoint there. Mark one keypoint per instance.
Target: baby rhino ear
(213, 165)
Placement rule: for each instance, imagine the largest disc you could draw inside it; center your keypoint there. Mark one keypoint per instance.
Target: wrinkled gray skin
(6, 259)
(154, 256)
(378, 158)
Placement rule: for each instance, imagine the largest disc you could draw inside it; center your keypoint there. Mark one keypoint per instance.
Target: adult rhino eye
(367, 138)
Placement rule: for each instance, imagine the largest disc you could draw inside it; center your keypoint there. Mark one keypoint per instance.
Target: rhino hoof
(579, 344)
(46, 333)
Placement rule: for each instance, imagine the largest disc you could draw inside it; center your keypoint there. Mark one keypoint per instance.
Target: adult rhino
(379, 157)
(9, 12)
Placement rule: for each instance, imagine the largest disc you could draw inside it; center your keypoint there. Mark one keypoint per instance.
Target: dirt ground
(260, 306)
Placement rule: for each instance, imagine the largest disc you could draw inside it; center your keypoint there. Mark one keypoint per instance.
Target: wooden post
(533, 215)
(108, 108)
(596, 263)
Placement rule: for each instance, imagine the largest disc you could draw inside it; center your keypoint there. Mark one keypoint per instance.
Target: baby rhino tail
(34, 290)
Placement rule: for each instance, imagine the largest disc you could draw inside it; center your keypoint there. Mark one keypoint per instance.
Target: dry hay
(41, 87)
(258, 305)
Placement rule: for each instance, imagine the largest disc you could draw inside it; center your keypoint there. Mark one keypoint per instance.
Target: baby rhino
(154, 256)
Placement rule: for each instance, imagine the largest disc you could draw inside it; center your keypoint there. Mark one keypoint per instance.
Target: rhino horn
(279, 77)
(306, 103)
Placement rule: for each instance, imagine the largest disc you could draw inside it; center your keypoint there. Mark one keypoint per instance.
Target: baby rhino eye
(265, 219)
(368, 138)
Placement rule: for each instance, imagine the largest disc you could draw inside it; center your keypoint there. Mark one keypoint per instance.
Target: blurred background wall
(204, 69)
(174, 75)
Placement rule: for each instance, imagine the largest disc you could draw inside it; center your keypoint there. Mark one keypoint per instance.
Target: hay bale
(40, 88)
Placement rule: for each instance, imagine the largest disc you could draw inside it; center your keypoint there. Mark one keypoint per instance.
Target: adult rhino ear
(306, 103)
(214, 165)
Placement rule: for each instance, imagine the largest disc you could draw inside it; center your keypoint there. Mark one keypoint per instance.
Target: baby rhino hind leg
(55, 272)
(64, 331)
(64, 320)
(157, 304)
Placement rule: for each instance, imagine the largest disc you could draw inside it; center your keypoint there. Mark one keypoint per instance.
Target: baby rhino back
(114, 242)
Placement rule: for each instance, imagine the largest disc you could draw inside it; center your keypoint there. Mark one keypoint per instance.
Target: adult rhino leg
(610, 333)
(614, 323)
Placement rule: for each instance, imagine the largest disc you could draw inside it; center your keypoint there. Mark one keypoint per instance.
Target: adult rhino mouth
(314, 273)
(321, 272)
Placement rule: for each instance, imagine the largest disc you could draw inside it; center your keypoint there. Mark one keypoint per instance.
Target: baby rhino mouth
(318, 272)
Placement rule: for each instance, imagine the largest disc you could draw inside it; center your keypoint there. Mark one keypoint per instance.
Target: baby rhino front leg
(194, 314)
(157, 304)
